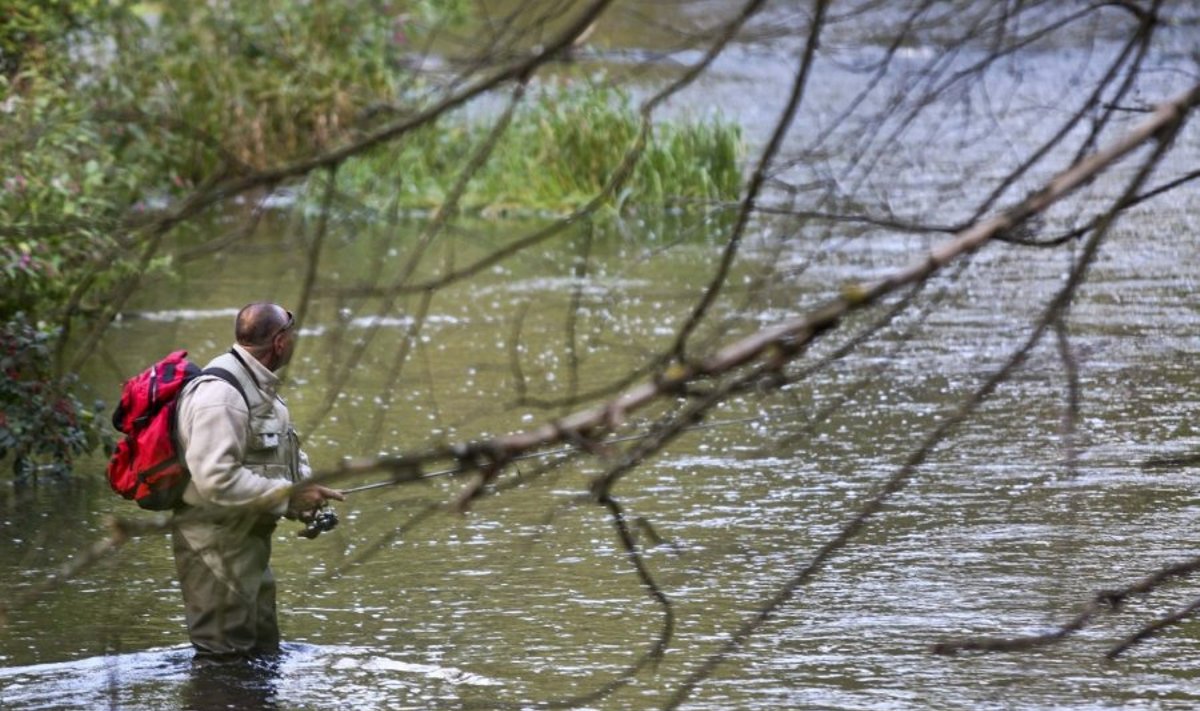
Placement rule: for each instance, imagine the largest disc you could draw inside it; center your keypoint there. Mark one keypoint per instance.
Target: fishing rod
(447, 472)
(549, 453)
(326, 518)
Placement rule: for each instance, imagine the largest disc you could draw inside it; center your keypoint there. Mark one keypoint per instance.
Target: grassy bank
(558, 153)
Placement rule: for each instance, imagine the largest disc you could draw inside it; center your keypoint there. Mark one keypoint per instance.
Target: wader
(229, 590)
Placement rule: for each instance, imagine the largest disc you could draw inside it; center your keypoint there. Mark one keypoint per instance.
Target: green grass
(558, 153)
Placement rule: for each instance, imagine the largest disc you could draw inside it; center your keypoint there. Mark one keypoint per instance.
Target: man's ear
(278, 346)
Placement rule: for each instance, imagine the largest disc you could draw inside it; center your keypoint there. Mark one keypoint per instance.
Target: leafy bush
(41, 423)
(108, 109)
(62, 192)
(31, 29)
(253, 84)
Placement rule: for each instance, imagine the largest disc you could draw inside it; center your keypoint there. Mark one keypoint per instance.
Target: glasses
(287, 326)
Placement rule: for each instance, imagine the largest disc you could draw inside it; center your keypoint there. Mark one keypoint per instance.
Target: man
(246, 467)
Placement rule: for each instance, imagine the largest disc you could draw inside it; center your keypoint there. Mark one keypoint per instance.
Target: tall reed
(560, 151)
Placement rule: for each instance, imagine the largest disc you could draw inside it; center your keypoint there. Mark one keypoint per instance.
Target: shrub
(42, 425)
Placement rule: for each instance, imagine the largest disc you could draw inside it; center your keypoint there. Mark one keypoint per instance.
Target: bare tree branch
(755, 185)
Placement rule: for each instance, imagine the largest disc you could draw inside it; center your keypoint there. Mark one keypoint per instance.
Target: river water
(1008, 528)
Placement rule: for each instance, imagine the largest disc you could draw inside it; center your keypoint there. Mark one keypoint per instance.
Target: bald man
(247, 470)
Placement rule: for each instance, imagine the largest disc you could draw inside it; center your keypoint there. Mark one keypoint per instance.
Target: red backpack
(147, 465)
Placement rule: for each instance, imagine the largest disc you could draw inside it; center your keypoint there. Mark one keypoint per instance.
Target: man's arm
(213, 422)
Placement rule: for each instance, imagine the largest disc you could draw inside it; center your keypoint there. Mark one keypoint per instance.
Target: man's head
(267, 331)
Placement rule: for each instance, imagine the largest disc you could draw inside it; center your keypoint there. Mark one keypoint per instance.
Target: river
(1010, 526)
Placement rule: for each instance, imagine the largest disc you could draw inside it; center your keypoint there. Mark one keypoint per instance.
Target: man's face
(289, 345)
(284, 342)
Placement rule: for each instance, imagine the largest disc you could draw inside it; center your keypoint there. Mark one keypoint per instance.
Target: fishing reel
(323, 520)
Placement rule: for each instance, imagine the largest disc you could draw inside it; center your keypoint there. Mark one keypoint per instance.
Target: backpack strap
(232, 380)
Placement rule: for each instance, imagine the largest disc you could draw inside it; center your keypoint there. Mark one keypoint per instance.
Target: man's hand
(307, 499)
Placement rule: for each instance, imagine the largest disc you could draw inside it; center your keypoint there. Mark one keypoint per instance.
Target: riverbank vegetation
(559, 152)
(119, 118)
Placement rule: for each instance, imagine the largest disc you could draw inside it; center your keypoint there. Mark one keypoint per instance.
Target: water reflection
(144, 679)
(299, 677)
(232, 685)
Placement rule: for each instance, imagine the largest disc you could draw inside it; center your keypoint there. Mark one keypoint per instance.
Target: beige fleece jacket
(213, 428)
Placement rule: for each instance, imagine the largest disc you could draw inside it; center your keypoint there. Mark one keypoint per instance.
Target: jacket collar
(267, 381)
